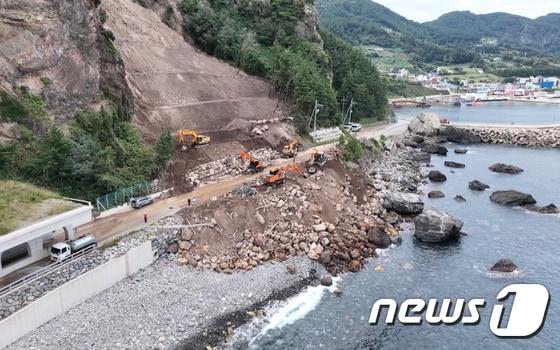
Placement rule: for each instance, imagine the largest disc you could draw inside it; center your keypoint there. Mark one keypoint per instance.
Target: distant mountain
(364, 22)
(542, 33)
(454, 38)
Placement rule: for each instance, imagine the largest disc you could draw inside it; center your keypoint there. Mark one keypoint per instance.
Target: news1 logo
(526, 316)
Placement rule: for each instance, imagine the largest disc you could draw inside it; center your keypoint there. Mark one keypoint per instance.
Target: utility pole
(349, 111)
(313, 118)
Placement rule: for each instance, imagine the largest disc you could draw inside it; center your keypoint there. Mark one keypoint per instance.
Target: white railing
(22, 282)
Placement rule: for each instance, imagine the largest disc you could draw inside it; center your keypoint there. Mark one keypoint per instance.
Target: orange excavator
(196, 139)
(291, 149)
(278, 176)
(254, 166)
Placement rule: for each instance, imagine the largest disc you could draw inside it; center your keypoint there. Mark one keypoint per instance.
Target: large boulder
(326, 281)
(403, 203)
(435, 226)
(425, 124)
(549, 209)
(458, 135)
(476, 185)
(451, 164)
(422, 157)
(460, 199)
(378, 237)
(435, 149)
(436, 194)
(437, 176)
(512, 198)
(504, 265)
(505, 168)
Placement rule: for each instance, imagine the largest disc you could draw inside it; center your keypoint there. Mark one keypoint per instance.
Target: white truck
(62, 250)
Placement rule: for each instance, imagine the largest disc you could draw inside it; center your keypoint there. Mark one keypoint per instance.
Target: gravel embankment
(164, 304)
(20, 298)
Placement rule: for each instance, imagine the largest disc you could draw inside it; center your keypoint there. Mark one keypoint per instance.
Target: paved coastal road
(124, 222)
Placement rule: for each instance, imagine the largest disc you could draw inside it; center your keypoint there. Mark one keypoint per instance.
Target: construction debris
(228, 166)
(245, 191)
(324, 217)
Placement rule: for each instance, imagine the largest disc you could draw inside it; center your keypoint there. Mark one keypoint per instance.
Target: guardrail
(22, 282)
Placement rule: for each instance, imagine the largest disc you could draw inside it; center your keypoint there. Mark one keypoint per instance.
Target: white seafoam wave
(296, 308)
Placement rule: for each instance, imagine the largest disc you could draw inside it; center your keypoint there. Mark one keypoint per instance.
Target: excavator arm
(277, 176)
(254, 165)
(291, 148)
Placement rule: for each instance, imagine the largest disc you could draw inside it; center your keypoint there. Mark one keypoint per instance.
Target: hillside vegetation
(267, 39)
(20, 202)
(100, 152)
(503, 44)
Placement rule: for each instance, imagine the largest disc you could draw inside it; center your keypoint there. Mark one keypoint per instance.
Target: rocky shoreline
(186, 307)
(299, 243)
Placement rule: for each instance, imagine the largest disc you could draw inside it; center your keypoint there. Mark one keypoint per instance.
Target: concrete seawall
(73, 293)
(526, 136)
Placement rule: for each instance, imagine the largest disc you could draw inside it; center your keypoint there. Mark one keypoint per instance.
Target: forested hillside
(504, 44)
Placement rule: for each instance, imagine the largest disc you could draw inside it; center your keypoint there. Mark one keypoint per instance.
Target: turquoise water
(454, 270)
(493, 113)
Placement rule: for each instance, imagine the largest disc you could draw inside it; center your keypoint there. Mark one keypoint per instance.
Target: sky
(427, 10)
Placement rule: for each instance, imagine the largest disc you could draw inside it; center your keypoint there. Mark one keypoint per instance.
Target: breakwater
(535, 137)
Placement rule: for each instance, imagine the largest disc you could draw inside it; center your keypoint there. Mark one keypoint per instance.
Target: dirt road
(131, 220)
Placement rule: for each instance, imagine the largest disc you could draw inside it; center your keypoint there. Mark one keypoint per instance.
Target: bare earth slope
(177, 86)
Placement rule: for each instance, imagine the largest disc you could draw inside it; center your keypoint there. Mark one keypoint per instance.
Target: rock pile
(528, 137)
(228, 166)
(340, 245)
(403, 203)
(396, 172)
(322, 217)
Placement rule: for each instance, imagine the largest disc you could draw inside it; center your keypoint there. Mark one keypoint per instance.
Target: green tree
(163, 149)
(352, 149)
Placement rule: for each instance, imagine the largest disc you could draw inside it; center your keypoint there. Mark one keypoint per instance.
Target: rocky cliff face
(59, 50)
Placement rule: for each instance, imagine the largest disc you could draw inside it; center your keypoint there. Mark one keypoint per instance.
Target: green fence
(123, 196)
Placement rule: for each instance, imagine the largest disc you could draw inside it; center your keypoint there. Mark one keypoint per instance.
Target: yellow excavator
(291, 149)
(317, 159)
(196, 139)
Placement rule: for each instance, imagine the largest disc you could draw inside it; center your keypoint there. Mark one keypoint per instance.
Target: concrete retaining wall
(76, 291)
(325, 135)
